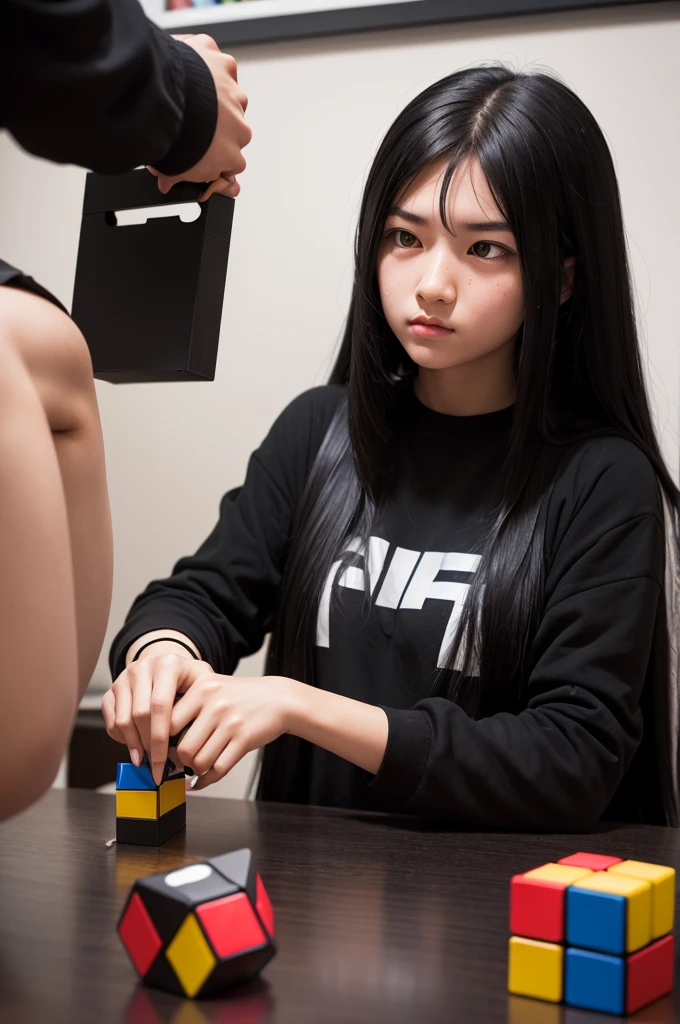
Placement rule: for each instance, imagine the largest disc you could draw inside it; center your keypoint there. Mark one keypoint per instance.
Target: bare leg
(55, 540)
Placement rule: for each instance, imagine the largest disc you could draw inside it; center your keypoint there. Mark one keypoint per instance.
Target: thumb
(165, 182)
(188, 671)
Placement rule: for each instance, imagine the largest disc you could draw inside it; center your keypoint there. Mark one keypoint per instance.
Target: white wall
(318, 110)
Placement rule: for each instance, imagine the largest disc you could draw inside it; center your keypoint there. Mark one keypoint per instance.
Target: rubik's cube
(201, 928)
(147, 814)
(594, 932)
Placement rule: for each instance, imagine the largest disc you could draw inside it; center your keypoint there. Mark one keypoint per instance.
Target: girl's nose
(437, 283)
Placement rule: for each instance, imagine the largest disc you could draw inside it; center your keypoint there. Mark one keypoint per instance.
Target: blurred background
(318, 109)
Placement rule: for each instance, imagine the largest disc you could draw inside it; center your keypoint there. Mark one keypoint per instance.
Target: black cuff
(146, 623)
(200, 110)
(406, 754)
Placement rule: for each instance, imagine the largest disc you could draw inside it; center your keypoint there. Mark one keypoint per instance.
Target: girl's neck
(439, 392)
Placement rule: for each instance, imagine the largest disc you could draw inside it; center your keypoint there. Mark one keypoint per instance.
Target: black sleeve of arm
(95, 83)
(556, 765)
(223, 597)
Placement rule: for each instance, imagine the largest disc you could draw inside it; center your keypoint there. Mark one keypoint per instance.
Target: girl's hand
(230, 716)
(138, 706)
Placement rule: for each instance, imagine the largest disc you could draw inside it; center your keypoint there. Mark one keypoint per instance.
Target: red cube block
(649, 974)
(593, 861)
(537, 900)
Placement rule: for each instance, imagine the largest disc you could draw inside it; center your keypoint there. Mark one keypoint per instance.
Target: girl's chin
(428, 360)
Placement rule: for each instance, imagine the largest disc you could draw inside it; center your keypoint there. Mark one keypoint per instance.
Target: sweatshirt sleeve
(95, 83)
(556, 765)
(223, 597)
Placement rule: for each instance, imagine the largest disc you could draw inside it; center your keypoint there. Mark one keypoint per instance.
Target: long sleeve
(557, 764)
(95, 83)
(224, 596)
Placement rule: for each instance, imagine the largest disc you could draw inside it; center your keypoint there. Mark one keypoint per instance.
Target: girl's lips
(429, 331)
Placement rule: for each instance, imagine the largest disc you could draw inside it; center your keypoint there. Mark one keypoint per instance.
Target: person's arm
(556, 765)
(222, 598)
(95, 83)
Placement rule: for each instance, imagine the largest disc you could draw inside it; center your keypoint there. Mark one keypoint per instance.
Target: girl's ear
(567, 278)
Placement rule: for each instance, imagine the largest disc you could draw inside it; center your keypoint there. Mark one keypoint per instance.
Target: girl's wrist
(296, 704)
(353, 730)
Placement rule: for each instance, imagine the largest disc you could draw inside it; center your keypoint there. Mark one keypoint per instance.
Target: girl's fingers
(203, 781)
(124, 722)
(230, 757)
(168, 673)
(109, 713)
(186, 710)
(195, 740)
(211, 750)
(140, 686)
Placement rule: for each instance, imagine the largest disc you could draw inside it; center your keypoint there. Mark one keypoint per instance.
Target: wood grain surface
(378, 919)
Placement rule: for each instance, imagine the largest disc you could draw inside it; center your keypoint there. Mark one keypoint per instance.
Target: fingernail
(194, 781)
(136, 759)
(157, 771)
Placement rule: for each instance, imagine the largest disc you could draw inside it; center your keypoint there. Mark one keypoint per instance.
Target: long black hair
(578, 373)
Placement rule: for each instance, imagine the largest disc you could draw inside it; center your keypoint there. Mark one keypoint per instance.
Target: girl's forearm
(349, 728)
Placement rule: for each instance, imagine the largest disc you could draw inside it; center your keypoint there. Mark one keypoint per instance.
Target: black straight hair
(578, 374)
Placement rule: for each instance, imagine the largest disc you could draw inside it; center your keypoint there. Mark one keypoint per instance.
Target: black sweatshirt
(95, 83)
(559, 763)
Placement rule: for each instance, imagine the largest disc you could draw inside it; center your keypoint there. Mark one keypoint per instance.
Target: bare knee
(21, 786)
(54, 353)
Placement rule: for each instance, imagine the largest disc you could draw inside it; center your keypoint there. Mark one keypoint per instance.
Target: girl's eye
(485, 246)
(402, 238)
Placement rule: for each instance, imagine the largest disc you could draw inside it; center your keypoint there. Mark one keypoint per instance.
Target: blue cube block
(594, 981)
(129, 777)
(596, 920)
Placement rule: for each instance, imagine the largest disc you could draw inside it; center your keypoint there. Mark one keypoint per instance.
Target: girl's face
(466, 284)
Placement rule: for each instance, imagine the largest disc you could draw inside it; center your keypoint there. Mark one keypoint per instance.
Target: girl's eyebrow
(482, 225)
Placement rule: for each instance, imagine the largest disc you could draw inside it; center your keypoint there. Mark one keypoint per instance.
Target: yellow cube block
(638, 894)
(535, 969)
(563, 873)
(136, 803)
(662, 880)
(172, 794)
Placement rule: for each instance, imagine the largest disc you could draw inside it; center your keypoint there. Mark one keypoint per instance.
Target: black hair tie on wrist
(172, 640)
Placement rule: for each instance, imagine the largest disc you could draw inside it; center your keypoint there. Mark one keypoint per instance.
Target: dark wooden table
(378, 919)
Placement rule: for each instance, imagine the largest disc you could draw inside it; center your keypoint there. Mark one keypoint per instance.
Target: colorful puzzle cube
(201, 928)
(147, 814)
(593, 931)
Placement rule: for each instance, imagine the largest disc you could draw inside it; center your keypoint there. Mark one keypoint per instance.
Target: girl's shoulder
(612, 471)
(296, 435)
(305, 420)
(606, 497)
(315, 406)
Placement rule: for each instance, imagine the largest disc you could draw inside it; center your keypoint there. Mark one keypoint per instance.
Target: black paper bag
(148, 297)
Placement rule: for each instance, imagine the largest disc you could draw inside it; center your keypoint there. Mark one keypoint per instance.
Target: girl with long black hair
(465, 547)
